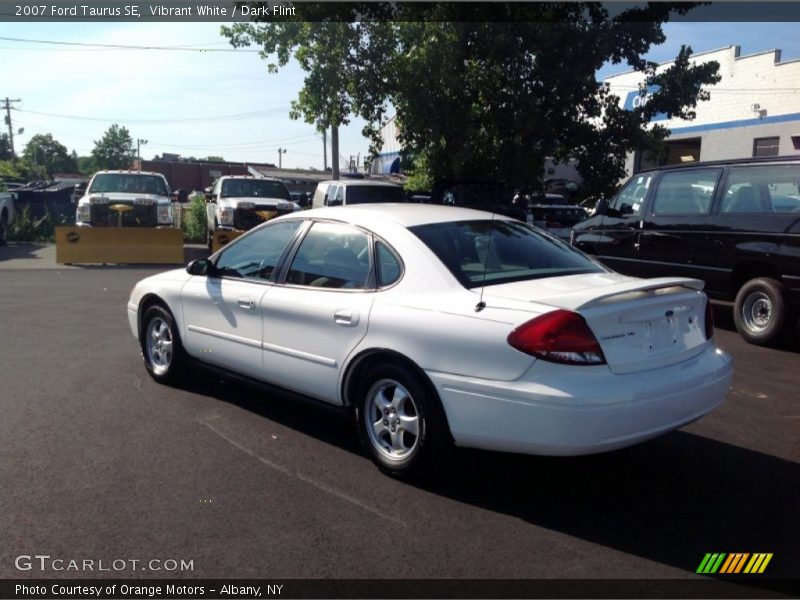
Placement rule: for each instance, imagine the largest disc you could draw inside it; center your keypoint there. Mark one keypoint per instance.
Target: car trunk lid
(640, 324)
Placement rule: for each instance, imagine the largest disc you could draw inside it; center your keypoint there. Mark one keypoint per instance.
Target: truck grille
(142, 215)
(247, 218)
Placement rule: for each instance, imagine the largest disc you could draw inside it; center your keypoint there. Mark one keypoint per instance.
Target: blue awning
(391, 167)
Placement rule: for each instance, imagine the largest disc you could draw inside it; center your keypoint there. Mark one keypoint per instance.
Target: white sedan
(437, 325)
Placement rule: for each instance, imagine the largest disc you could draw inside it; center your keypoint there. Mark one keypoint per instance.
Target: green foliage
(5, 147)
(419, 175)
(487, 96)
(115, 150)
(9, 169)
(44, 155)
(86, 166)
(194, 220)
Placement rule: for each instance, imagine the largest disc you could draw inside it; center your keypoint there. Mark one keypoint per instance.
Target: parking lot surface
(97, 461)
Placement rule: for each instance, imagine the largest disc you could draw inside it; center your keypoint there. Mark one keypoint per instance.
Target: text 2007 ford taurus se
(438, 325)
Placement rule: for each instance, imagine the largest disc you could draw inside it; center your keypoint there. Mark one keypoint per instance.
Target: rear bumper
(562, 411)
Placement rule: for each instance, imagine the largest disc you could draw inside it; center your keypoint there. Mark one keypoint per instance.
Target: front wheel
(400, 421)
(760, 311)
(163, 353)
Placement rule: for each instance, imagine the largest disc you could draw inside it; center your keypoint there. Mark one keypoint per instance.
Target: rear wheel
(400, 421)
(760, 311)
(163, 353)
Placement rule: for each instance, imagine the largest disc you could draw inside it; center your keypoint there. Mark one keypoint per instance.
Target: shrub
(194, 220)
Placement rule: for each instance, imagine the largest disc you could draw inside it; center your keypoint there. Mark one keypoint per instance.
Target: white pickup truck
(125, 199)
(240, 202)
(6, 215)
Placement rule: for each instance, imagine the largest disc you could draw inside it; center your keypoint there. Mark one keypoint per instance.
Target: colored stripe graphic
(711, 563)
(733, 563)
(758, 563)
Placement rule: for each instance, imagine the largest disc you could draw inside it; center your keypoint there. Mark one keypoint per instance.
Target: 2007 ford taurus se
(438, 325)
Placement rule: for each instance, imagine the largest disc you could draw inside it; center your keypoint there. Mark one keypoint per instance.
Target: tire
(760, 311)
(400, 421)
(3, 229)
(162, 350)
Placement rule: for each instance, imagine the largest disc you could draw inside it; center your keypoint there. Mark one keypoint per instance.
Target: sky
(199, 103)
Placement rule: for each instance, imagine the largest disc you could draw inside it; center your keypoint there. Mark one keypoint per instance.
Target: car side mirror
(183, 196)
(602, 207)
(201, 266)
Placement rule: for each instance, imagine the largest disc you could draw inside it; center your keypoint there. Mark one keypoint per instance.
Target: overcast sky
(226, 104)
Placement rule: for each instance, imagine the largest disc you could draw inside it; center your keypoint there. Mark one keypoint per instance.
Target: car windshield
(499, 251)
(131, 183)
(254, 188)
(366, 194)
(558, 217)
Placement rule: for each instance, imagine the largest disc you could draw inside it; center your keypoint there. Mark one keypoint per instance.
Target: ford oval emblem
(73, 236)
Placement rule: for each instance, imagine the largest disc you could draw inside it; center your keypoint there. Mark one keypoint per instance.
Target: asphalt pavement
(99, 462)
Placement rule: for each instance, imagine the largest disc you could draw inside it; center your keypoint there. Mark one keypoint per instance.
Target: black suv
(735, 224)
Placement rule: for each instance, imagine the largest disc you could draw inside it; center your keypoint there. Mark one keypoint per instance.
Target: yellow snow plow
(221, 238)
(119, 245)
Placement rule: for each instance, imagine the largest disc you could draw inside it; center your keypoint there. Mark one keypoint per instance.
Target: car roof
(128, 172)
(722, 163)
(407, 215)
(265, 178)
(352, 182)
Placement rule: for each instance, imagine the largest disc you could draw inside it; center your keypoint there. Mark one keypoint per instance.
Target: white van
(357, 191)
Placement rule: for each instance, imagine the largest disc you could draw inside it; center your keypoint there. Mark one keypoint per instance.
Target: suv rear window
(554, 216)
(365, 194)
(500, 251)
(762, 190)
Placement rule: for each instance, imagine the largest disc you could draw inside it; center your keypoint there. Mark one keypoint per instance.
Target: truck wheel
(3, 229)
(760, 311)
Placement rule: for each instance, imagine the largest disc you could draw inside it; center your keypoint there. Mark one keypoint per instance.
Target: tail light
(709, 320)
(560, 336)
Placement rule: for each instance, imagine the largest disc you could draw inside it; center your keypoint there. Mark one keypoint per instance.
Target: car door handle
(345, 318)
(246, 303)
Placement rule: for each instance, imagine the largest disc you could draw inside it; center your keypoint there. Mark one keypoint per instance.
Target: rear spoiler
(594, 296)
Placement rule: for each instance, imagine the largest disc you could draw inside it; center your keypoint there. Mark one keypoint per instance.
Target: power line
(234, 117)
(182, 48)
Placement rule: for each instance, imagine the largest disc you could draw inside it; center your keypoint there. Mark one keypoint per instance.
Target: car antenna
(481, 304)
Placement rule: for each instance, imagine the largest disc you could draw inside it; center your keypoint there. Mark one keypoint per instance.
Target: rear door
(675, 237)
(320, 313)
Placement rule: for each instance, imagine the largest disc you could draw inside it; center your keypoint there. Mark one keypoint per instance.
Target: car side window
(630, 200)
(686, 192)
(389, 269)
(332, 255)
(255, 255)
(762, 190)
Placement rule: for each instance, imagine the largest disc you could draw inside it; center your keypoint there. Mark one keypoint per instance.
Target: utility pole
(335, 152)
(139, 143)
(8, 103)
(281, 152)
(325, 149)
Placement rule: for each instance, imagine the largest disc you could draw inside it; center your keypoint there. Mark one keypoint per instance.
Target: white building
(753, 111)
(388, 161)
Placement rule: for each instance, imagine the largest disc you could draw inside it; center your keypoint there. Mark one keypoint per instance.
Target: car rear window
(499, 251)
(366, 194)
(559, 217)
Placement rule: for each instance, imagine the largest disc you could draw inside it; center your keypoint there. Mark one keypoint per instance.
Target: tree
(488, 95)
(5, 147)
(115, 150)
(44, 156)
